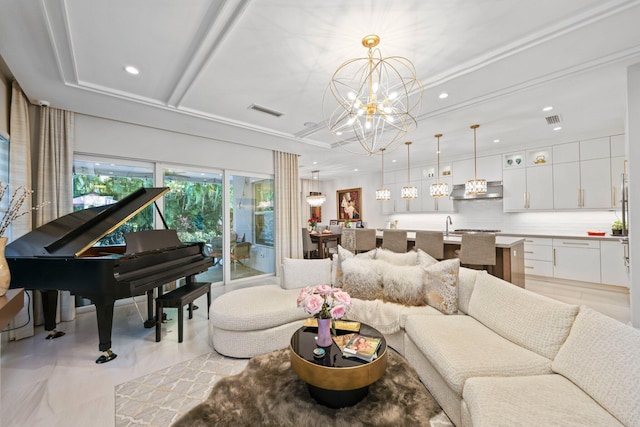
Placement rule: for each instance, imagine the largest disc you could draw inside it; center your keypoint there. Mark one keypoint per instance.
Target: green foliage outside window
(118, 188)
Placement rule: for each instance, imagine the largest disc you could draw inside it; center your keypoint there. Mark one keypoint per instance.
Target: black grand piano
(61, 255)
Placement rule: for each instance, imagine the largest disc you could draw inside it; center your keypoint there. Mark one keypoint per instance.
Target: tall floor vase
(5, 274)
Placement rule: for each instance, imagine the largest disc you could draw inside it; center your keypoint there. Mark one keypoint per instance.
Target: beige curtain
(54, 179)
(287, 195)
(20, 175)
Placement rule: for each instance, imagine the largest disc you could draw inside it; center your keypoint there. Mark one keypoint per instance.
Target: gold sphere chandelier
(375, 99)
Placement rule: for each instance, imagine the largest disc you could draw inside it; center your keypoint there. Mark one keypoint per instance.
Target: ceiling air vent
(552, 120)
(265, 110)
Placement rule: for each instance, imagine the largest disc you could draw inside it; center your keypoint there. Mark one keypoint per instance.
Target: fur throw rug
(269, 393)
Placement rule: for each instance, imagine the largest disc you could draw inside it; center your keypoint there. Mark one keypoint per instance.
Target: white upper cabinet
(617, 146)
(462, 171)
(566, 185)
(597, 148)
(565, 153)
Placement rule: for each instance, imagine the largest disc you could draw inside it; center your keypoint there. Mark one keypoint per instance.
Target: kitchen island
(509, 254)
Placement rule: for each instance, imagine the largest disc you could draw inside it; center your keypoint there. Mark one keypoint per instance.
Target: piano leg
(151, 320)
(104, 314)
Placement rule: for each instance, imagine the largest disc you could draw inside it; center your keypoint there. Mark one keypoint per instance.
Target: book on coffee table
(362, 347)
(342, 340)
(342, 325)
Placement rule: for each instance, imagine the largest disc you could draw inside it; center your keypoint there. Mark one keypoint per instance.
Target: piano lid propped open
(73, 234)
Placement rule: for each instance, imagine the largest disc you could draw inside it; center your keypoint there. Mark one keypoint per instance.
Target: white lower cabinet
(538, 256)
(612, 264)
(575, 259)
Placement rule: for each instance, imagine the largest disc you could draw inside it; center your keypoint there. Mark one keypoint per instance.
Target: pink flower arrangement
(324, 302)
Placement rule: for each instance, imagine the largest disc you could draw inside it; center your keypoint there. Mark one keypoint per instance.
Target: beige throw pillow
(425, 260)
(402, 284)
(342, 255)
(361, 278)
(407, 258)
(441, 285)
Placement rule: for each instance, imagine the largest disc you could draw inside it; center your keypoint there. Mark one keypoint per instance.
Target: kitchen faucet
(446, 225)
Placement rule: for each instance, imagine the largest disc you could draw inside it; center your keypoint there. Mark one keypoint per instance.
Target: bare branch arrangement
(12, 211)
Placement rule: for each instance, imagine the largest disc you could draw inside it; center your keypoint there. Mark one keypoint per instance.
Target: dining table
(321, 238)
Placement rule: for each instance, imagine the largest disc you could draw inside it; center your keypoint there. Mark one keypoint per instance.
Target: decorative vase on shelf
(324, 333)
(5, 274)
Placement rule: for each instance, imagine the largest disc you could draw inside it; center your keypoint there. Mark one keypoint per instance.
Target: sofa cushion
(298, 273)
(407, 258)
(441, 285)
(256, 308)
(361, 278)
(424, 259)
(601, 356)
(466, 282)
(386, 317)
(459, 347)
(540, 400)
(533, 321)
(402, 284)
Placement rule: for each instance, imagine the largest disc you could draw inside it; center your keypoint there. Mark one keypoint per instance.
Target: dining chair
(348, 239)
(432, 242)
(241, 251)
(395, 240)
(331, 245)
(308, 246)
(478, 249)
(365, 239)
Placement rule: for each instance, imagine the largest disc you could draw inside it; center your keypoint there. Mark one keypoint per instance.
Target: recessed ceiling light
(315, 163)
(557, 128)
(549, 108)
(132, 70)
(443, 95)
(393, 161)
(495, 141)
(338, 133)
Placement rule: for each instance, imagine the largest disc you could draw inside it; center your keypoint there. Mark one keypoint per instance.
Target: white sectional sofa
(507, 358)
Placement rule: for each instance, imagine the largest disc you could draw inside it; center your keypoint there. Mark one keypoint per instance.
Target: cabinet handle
(614, 197)
(524, 199)
(582, 198)
(576, 243)
(528, 252)
(528, 200)
(528, 266)
(528, 241)
(554, 257)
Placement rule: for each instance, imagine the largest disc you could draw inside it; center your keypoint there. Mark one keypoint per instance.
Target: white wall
(117, 139)
(633, 151)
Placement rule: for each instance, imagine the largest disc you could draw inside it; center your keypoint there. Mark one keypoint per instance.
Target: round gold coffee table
(335, 381)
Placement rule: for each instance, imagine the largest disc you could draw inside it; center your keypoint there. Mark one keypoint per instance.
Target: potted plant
(616, 228)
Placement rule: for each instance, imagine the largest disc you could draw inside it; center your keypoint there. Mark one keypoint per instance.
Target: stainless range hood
(494, 191)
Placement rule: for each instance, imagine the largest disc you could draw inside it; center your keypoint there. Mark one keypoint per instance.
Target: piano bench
(178, 298)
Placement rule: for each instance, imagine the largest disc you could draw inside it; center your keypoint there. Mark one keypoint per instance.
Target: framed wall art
(349, 203)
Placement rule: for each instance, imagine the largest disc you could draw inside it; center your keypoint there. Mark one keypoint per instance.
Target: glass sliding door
(252, 225)
(194, 207)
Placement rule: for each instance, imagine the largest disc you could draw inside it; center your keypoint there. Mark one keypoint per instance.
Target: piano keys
(61, 255)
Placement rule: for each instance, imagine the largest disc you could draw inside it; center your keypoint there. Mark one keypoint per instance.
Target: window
(97, 183)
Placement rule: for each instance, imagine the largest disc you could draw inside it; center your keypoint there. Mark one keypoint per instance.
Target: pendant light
(409, 192)
(316, 198)
(475, 185)
(439, 189)
(383, 193)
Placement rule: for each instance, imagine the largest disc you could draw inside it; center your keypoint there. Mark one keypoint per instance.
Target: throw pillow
(425, 260)
(441, 285)
(407, 258)
(361, 278)
(342, 255)
(402, 284)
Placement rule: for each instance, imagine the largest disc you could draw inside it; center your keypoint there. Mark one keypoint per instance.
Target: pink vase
(324, 333)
